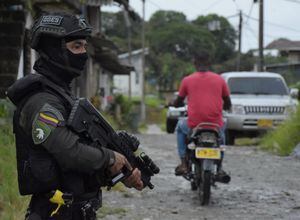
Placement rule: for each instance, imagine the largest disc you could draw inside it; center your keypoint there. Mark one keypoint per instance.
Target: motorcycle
(204, 156)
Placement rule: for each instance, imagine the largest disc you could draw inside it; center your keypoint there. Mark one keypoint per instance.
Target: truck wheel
(171, 125)
(230, 136)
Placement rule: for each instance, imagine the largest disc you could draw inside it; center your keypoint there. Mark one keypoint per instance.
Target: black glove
(129, 140)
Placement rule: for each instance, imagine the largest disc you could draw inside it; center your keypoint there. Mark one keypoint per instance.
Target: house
(121, 82)
(286, 47)
(291, 69)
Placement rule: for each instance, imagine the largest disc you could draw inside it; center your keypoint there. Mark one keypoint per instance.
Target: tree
(223, 33)
(161, 19)
(247, 62)
(114, 27)
(181, 40)
(172, 42)
(167, 70)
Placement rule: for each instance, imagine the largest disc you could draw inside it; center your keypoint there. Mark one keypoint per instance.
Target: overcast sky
(282, 17)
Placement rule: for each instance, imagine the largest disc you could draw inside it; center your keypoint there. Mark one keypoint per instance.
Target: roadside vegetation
(283, 140)
(156, 112)
(12, 205)
(247, 141)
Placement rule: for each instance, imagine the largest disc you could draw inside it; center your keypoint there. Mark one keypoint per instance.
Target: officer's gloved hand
(129, 139)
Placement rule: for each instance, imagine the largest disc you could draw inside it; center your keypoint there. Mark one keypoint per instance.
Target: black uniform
(49, 155)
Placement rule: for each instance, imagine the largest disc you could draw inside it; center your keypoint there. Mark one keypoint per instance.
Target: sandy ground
(263, 187)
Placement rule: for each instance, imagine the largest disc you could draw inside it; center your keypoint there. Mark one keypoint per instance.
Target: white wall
(121, 84)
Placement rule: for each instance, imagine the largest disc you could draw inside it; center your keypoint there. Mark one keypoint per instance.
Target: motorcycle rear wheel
(204, 190)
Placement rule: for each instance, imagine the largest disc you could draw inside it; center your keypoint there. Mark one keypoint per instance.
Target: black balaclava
(57, 62)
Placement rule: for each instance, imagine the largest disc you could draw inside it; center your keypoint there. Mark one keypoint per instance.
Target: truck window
(257, 86)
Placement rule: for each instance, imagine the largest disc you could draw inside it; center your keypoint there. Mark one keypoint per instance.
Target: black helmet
(59, 25)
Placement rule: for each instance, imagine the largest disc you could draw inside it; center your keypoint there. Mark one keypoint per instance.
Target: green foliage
(153, 101)
(269, 59)
(124, 113)
(172, 40)
(163, 116)
(181, 40)
(168, 70)
(247, 61)
(6, 108)
(114, 26)
(283, 140)
(124, 103)
(224, 37)
(12, 205)
(246, 141)
(161, 19)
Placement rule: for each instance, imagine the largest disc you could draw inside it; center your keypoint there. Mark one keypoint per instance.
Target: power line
(236, 5)
(156, 5)
(294, 1)
(232, 16)
(212, 5)
(193, 3)
(249, 28)
(276, 25)
(249, 13)
(160, 8)
(247, 39)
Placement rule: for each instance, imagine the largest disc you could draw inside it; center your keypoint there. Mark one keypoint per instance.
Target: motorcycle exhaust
(222, 178)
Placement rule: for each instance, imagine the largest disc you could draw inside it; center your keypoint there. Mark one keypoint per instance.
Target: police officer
(62, 171)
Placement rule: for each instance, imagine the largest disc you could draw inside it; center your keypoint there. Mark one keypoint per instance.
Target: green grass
(163, 125)
(12, 205)
(246, 141)
(142, 128)
(153, 101)
(283, 140)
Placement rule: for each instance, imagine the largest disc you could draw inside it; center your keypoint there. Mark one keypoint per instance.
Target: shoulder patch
(45, 121)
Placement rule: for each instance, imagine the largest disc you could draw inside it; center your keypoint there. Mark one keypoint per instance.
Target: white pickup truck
(260, 101)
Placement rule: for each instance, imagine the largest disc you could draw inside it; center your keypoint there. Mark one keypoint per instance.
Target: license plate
(208, 153)
(264, 123)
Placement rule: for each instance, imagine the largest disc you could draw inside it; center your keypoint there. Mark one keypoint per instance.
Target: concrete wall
(121, 82)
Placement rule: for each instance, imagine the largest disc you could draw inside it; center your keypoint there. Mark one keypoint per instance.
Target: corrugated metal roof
(284, 44)
(107, 58)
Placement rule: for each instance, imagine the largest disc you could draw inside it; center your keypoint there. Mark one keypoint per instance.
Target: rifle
(88, 122)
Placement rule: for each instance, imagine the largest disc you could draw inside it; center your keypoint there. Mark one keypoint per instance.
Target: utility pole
(261, 36)
(128, 26)
(238, 63)
(143, 107)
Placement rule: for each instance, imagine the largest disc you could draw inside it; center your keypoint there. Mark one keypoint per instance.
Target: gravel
(263, 186)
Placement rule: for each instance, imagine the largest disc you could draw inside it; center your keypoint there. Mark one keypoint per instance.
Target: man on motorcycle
(207, 94)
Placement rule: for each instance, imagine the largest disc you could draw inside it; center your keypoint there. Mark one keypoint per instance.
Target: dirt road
(263, 187)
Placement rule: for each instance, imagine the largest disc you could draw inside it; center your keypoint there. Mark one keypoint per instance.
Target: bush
(153, 102)
(124, 112)
(6, 108)
(283, 140)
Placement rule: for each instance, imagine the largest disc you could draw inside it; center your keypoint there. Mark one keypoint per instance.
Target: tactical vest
(38, 172)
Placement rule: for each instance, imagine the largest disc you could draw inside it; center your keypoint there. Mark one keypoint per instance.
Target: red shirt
(205, 92)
